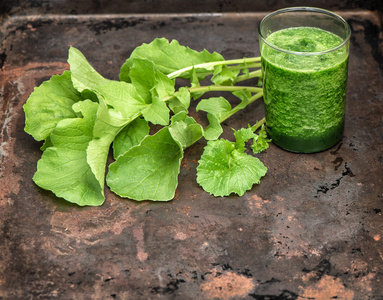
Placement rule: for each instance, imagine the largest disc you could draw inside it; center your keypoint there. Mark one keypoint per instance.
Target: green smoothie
(304, 94)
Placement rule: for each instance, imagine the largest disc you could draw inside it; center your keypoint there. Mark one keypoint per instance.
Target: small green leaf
(142, 76)
(148, 171)
(260, 142)
(84, 76)
(148, 81)
(50, 103)
(106, 126)
(163, 86)
(225, 76)
(66, 173)
(180, 101)
(242, 136)
(223, 170)
(245, 71)
(130, 136)
(169, 57)
(157, 112)
(216, 105)
(214, 129)
(63, 168)
(122, 97)
(185, 129)
(244, 96)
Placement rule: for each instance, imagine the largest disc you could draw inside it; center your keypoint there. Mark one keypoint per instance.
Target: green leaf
(126, 99)
(148, 81)
(164, 86)
(148, 171)
(214, 129)
(84, 76)
(66, 173)
(106, 126)
(245, 71)
(260, 142)
(122, 97)
(180, 101)
(244, 96)
(130, 136)
(78, 154)
(195, 82)
(169, 57)
(50, 103)
(242, 136)
(142, 76)
(224, 76)
(216, 105)
(185, 129)
(223, 170)
(157, 112)
(63, 168)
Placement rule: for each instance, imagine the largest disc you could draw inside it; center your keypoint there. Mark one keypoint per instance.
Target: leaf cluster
(80, 115)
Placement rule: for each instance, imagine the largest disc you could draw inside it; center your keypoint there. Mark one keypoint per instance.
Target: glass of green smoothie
(304, 53)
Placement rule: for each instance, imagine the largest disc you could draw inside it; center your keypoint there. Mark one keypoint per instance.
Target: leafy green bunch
(80, 115)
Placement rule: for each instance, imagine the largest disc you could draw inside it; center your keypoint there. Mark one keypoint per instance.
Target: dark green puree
(304, 94)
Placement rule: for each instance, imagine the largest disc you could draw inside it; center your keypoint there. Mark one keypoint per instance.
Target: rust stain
(76, 223)
(180, 236)
(185, 164)
(380, 254)
(364, 284)
(138, 233)
(186, 210)
(258, 205)
(226, 286)
(328, 287)
(176, 195)
(17, 84)
(51, 68)
(310, 165)
(288, 235)
(72, 229)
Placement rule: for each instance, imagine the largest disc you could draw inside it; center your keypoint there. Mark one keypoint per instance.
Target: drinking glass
(304, 52)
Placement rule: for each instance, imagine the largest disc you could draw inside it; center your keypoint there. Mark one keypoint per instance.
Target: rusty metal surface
(313, 228)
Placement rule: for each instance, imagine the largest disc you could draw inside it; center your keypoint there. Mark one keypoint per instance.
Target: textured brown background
(313, 228)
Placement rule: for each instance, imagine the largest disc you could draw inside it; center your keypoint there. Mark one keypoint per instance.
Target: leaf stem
(216, 88)
(240, 106)
(224, 88)
(246, 66)
(253, 74)
(258, 124)
(210, 65)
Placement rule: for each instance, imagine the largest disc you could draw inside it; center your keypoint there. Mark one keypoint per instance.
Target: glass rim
(305, 9)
